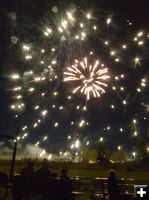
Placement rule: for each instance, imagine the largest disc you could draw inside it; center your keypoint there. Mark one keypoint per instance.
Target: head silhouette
(112, 173)
(30, 164)
(45, 164)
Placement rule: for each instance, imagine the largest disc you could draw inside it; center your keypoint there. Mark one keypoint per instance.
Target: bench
(4, 184)
(101, 189)
(52, 188)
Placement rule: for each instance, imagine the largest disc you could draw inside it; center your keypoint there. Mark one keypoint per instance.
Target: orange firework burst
(90, 78)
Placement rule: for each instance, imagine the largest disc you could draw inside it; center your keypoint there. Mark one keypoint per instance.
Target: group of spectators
(31, 184)
(43, 183)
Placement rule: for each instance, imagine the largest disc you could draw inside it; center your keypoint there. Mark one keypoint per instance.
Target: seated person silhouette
(113, 189)
(65, 185)
(24, 185)
(43, 179)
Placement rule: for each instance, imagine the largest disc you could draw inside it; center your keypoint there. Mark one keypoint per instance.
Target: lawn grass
(88, 171)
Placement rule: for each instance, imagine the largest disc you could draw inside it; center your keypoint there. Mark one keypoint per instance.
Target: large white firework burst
(90, 78)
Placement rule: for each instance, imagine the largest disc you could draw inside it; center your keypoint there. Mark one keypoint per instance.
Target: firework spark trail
(90, 78)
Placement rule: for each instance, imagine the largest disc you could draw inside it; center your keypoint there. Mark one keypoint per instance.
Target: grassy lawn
(139, 175)
(88, 171)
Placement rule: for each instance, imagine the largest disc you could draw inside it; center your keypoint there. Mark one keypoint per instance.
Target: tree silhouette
(102, 157)
(142, 154)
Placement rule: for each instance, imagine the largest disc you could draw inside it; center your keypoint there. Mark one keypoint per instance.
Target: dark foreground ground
(87, 173)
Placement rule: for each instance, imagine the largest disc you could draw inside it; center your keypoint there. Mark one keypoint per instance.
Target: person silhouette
(28, 178)
(65, 185)
(44, 173)
(43, 176)
(64, 175)
(28, 173)
(113, 189)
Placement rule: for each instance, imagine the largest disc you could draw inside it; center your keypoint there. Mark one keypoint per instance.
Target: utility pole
(14, 156)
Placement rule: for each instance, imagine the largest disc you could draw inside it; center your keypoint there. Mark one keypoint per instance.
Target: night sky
(116, 125)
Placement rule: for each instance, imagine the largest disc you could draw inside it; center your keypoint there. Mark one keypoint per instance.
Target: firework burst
(90, 78)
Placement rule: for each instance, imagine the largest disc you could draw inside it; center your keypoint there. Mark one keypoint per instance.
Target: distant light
(135, 133)
(117, 60)
(88, 16)
(119, 147)
(13, 106)
(28, 57)
(81, 123)
(72, 123)
(121, 129)
(84, 108)
(106, 42)
(112, 53)
(53, 49)
(112, 106)
(25, 47)
(44, 112)
(56, 124)
(78, 107)
(65, 154)
(53, 62)
(134, 154)
(60, 29)
(19, 97)
(83, 34)
(101, 139)
(124, 46)
(36, 107)
(49, 157)
(35, 125)
(69, 97)
(136, 60)
(138, 90)
(143, 84)
(77, 143)
(37, 143)
(45, 138)
(69, 15)
(124, 102)
(31, 89)
(61, 107)
(81, 25)
(143, 80)
(108, 21)
(140, 43)
(15, 76)
(43, 94)
(37, 79)
(140, 34)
